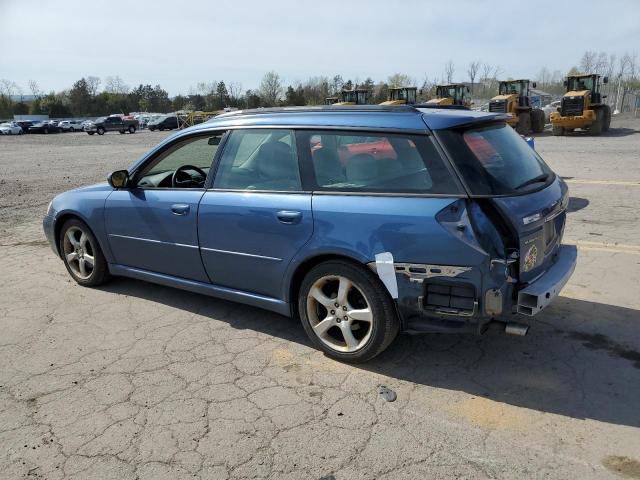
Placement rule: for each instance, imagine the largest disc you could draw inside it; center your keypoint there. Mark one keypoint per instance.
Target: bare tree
(472, 71)
(271, 88)
(449, 70)
(7, 87)
(588, 61)
(400, 80)
(543, 77)
(93, 84)
(115, 85)
(35, 89)
(235, 90)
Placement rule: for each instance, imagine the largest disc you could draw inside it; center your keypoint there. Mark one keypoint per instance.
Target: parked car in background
(25, 124)
(549, 109)
(363, 223)
(44, 127)
(166, 122)
(112, 124)
(70, 126)
(10, 128)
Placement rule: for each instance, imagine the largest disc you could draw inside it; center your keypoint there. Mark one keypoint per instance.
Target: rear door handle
(289, 217)
(180, 209)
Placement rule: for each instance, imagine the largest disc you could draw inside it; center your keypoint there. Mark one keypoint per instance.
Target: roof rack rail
(322, 108)
(444, 107)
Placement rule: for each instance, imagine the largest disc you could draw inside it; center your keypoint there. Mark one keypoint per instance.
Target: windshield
(494, 160)
(510, 88)
(580, 83)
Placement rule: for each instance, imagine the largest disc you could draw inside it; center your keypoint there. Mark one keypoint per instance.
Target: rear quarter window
(375, 163)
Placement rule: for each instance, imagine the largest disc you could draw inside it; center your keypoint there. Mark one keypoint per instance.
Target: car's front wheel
(100, 131)
(346, 311)
(82, 255)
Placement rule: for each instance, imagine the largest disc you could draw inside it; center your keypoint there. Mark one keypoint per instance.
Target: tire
(76, 255)
(524, 123)
(537, 120)
(121, 132)
(100, 131)
(161, 129)
(132, 129)
(598, 124)
(607, 118)
(46, 131)
(364, 291)
(557, 131)
(91, 133)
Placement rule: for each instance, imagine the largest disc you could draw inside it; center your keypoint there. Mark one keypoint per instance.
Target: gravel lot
(134, 380)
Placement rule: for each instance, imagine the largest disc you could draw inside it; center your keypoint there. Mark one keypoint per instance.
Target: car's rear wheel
(81, 254)
(46, 130)
(132, 129)
(346, 311)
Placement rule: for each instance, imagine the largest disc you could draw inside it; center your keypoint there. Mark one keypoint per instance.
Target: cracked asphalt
(138, 381)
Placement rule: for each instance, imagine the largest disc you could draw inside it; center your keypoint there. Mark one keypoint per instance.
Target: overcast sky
(179, 43)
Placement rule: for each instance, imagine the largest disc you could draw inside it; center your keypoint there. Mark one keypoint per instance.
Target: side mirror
(533, 84)
(605, 80)
(564, 83)
(118, 179)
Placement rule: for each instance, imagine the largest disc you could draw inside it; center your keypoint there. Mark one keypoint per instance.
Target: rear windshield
(495, 160)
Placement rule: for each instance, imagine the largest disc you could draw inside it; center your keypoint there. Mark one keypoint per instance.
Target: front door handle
(289, 217)
(180, 209)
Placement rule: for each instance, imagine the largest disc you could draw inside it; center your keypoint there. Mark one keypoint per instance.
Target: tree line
(92, 96)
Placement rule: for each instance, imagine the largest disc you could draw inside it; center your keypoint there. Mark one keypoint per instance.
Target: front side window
(185, 164)
(370, 162)
(259, 159)
(494, 160)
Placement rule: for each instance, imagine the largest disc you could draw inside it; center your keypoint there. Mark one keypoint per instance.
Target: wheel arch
(301, 268)
(62, 218)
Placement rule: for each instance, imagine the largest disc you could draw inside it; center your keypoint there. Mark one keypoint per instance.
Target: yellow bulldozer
(357, 96)
(582, 106)
(514, 97)
(452, 94)
(401, 96)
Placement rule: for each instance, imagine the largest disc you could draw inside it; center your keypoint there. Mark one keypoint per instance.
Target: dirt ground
(138, 381)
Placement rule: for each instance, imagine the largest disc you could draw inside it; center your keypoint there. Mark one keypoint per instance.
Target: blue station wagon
(361, 221)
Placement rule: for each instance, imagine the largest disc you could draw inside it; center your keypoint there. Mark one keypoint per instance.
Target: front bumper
(576, 121)
(537, 295)
(48, 225)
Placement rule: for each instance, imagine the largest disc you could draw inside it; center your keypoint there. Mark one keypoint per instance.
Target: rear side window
(259, 159)
(370, 162)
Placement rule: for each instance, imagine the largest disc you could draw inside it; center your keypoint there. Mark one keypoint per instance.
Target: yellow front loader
(401, 96)
(357, 96)
(452, 94)
(514, 97)
(582, 106)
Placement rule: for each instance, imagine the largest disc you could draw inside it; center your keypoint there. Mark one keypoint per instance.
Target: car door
(255, 217)
(153, 224)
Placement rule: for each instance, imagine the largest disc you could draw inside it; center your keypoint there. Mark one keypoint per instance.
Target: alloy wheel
(79, 252)
(339, 313)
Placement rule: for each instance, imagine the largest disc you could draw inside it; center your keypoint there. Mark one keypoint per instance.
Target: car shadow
(576, 204)
(613, 132)
(581, 359)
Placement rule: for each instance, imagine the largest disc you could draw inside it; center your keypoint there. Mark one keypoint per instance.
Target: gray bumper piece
(539, 294)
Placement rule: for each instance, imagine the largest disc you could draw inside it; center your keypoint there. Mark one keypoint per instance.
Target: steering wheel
(176, 182)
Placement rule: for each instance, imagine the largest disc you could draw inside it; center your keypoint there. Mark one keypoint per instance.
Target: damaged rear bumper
(540, 293)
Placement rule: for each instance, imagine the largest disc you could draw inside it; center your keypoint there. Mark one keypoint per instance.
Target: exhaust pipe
(514, 328)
